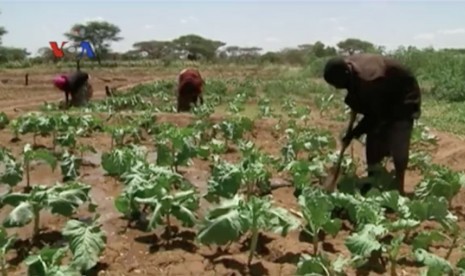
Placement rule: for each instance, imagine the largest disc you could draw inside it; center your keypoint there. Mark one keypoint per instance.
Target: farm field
(132, 188)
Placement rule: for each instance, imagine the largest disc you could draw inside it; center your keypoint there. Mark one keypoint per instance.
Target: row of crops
(155, 194)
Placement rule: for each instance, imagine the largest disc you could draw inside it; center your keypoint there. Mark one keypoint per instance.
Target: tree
(155, 49)
(197, 45)
(294, 55)
(12, 54)
(319, 49)
(354, 45)
(271, 57)
(237, 52)
(99, 33)
(3, 32)
(46, 54)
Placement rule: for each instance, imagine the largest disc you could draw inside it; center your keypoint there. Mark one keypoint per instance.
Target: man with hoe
(388, 96)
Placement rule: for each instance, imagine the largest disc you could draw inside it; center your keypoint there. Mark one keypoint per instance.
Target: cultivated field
(129, 187)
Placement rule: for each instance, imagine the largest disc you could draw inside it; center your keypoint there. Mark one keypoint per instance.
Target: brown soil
(135, 252)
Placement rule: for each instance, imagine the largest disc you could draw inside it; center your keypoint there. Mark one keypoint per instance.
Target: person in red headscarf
(75, 85)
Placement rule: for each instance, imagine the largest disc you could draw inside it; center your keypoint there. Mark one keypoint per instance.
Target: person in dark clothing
(75, 85)
(388, 96)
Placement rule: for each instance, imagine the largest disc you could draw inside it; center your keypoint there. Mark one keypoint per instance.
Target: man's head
(60, 81)
(337, 73)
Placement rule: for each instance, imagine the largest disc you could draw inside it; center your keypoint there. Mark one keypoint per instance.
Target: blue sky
(271, 25)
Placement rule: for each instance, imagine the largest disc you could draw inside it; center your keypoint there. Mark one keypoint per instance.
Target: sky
(271, 25)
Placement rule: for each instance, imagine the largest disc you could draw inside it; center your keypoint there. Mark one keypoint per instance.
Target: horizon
(270, 25)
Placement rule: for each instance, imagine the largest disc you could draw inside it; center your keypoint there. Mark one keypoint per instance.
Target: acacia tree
(155, 49)
(3, 32)
(195, 45)
(99, 33)
(354, 45)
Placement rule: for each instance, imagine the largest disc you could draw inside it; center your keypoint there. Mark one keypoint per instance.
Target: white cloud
(272, 39)
(149, 26)
(424, 36)
(189, 19)
(452, 31)
(341, 28)
(97, 18)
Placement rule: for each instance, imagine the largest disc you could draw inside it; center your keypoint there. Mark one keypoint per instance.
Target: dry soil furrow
(34, 102)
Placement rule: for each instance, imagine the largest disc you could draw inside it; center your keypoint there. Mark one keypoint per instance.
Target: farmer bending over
(190, 88)
(75, 85)
(388, 96)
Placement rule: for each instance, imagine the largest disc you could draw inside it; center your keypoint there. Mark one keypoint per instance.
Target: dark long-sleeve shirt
(76, 80)
(382, 90)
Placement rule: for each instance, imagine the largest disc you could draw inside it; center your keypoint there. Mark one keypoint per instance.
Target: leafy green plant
(6, 242)
(48, 262)
(180, 205)
(4, 121)
(59, 199)
(316, 208)
(233, 218)
(440, 181)
(120, 160)
(86, 242)
(175, 147)
(13, 170)
(30, 155)
(70, 166)
(321, 265)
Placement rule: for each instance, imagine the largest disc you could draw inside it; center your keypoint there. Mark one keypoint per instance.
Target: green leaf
(366, 241)
(20, 216)
(403, 225)
(164, 157)
(13, 173)
(86, 242)
(432, 208)
(316, 208)
(14, 199)
(44, 155)
(433, 262)
(461, 266)
(440, 181)
(222, 224)
(6, 241)
(65, 199)
(48, 263)
(70, 166)
(122, 204)
(281, 221)
(225, 181)
(120, 160)
(312, 266)
(425, 239)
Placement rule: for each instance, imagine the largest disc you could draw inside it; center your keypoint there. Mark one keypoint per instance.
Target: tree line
(190, 46)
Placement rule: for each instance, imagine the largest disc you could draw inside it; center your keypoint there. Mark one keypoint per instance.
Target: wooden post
(26, 79)
(78, 67)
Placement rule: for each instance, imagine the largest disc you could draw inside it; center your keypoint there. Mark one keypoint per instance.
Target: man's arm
(364, 126)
